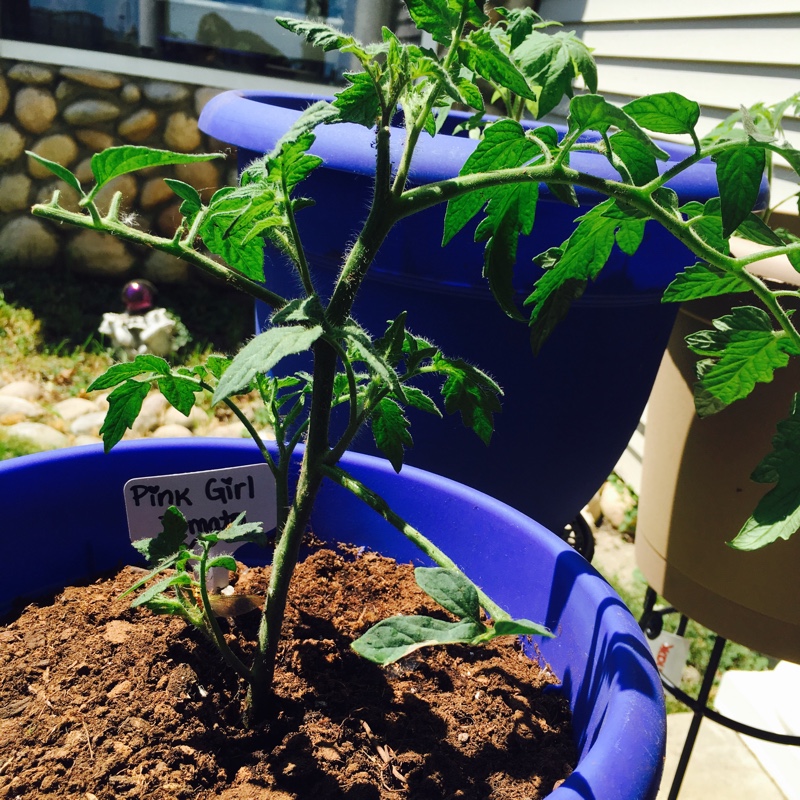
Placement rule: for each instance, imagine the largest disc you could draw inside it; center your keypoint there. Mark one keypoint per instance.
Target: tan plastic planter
(696, 494)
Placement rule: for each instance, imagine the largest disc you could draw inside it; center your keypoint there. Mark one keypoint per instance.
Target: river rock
(181, 132)
(39, 435)
(28, 390)
(151, 415)
(202, 96)
(126, 184)
(131, 93)
(93, 78)
(74, 407)
(5, 95)
(171, 432)
(196, 418)
(68, 198)
(139, 125)
(94, 253)
(30, 73)
(59, 148)
(12, 143)
(154, 193)
(89, 112)
(94, 140)
(28, 243)
(165, 268)
(19, 407)
(15, 190)
(35, 109)
(87, 424)
(203, 175)
(164, 93)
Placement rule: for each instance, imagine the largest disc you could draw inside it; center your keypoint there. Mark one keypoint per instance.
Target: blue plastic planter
(568, 413)
(63, 514)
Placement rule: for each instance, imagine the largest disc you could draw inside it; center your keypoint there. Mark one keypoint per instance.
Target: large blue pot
(567, 413)
(64, 522)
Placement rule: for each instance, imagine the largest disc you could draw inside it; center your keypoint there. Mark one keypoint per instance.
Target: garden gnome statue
(140, 328)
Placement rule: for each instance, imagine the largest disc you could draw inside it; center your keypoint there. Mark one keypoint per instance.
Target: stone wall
(66, 114)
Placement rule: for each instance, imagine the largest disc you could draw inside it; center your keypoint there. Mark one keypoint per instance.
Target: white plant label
(209, 500)
(671, 653)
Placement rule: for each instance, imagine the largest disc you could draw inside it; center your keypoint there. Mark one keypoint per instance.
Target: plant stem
(378, 504)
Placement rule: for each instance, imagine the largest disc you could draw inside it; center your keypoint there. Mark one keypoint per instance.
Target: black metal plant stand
(651, 622)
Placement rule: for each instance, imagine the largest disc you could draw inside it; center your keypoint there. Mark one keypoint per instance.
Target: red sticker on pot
(209, 500)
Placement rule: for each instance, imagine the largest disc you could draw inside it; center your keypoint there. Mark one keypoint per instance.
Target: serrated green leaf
(239, 531)
(755, 229)
(397, 637)
(390, 430)
(703, 280)
(323, 36)
(481, 53)
(667, 112)
(116, 161)
(451, 590)
(418, 399)
(300, 310)
(552, 62)
(435, 17)
(262, 354)
(747, 351)
(739, 174)
(58, 170)
(179, 392)
(470, 392)
(359, 102)
(360, 343)
(777, 515)
(592, 112)
(504, 145)
(168, 541)
(124, 405)
(217, 365)
(637, 158)
(144, 364)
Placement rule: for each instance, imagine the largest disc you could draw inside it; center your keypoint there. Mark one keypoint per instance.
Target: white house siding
(721, 53)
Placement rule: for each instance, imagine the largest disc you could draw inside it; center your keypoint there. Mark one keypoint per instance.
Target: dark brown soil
(99, 701)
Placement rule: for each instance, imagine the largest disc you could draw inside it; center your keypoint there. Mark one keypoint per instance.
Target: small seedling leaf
(153, 592)
(124, 405)
(179, 392)
(667, 112)
(58, 170)
(168, 542)
(146, 364)
(390, 429)
(451, 590)
(520, 627)
(397, 637)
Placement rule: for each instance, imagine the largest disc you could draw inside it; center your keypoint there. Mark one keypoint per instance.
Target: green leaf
(168, 542)
(116, 161)
(262, 354)
(703, 280)
(58, 170)
(301, 310)
(124, 405)
(390, 429)
(739, 174)
(435, 17)
(552, 62)
(323, 36)
(519, 627)
(224, 562)
(362, 348)
(192, 202)
(144, 364)
(777, 515)
(667, 112)
(592, 112)
(180, 392)
(504, 146)
(418, 399)
(152, 593)
(481, 53)
(756, 230)
(637, 158)
(397, 637)
(451, 590)
(470, 392)
(747, 351)
(359, 102)
(239, 531)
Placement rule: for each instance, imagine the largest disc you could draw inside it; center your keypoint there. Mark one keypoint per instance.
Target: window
(228, 34)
